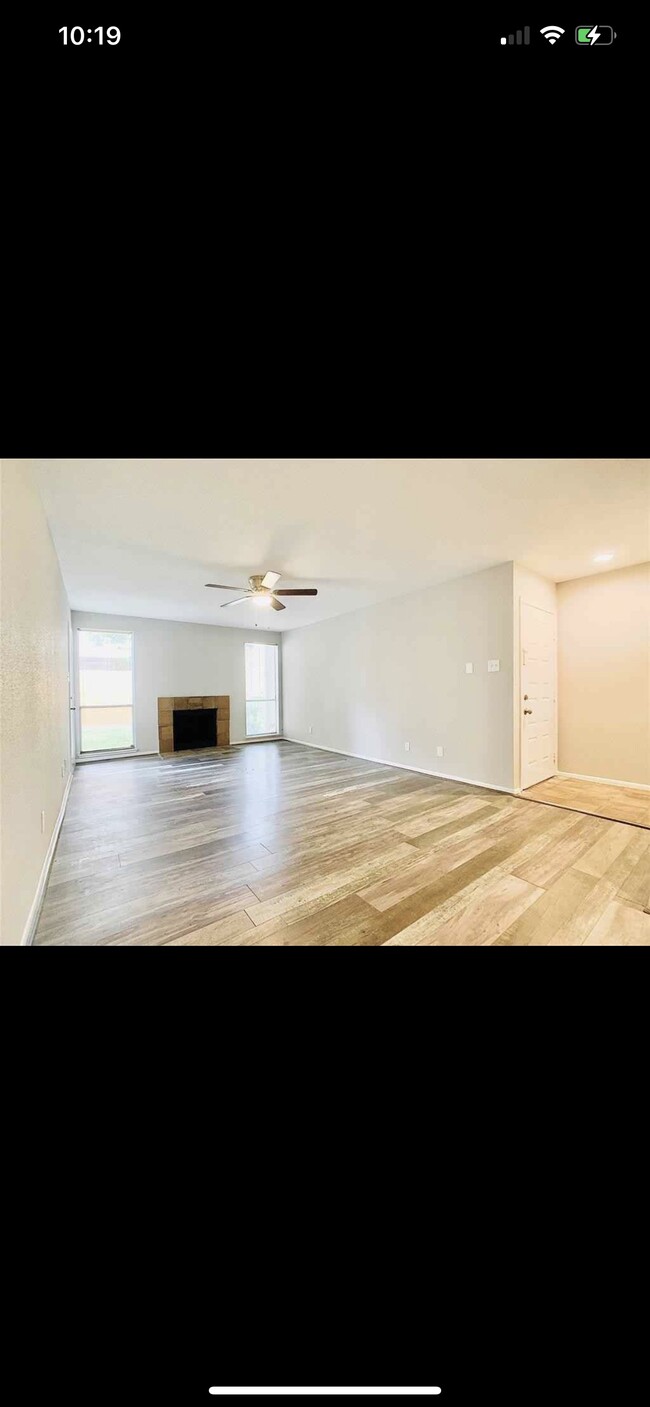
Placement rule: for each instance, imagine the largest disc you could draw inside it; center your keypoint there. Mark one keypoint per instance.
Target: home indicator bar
(325, 1391)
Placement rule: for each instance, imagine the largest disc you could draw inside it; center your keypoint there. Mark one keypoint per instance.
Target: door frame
(520, 693)
(72, 698)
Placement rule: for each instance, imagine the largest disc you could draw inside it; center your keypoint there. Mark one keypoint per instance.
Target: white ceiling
(142, 536)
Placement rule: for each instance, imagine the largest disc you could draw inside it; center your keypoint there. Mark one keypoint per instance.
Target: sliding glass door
(261, 690)
(106, 690)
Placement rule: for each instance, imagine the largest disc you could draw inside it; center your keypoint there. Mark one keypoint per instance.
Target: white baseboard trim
(267, 738)
(426, 771)
(35, 911)
(609, 781)
(115, 757)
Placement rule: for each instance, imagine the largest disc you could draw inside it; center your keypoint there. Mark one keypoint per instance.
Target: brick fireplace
(167, 707)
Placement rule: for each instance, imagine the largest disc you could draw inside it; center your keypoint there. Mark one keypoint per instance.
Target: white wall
(34, 722)
(175, 658)
(535, 590)
(371, 680)
(604, 668)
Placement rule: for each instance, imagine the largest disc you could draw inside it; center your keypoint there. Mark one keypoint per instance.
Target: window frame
(253, 737)
(100, 753)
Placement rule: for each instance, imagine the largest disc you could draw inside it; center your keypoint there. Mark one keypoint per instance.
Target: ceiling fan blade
(277, 605)
(220, 586)
(237, 600)
(270, 579)
(299, 591)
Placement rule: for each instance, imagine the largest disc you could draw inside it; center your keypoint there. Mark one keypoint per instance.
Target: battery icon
(595, 34)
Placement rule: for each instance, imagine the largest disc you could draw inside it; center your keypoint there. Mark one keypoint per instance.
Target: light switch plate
(493, 666)
(440, 751)
(469, 668)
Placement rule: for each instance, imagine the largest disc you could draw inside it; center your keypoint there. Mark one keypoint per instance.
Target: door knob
(528, 710)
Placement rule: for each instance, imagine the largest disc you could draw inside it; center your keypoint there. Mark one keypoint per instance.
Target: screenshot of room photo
(261, 716)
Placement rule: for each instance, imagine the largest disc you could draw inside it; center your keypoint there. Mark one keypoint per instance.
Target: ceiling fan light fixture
(263, 590)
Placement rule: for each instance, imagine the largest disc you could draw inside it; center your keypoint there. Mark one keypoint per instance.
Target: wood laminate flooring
(615, 803)
(278, 844)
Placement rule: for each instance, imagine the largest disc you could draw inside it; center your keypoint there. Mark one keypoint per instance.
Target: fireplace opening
(194, 727)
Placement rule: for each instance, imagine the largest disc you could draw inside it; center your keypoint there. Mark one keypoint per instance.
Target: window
(106, 690)
(261, 690)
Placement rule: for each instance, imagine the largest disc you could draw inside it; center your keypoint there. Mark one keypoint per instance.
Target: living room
(325, 702)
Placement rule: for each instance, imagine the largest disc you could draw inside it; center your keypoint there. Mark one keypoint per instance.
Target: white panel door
(537, 695)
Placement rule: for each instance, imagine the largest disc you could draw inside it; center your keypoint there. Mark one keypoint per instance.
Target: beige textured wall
(604, 675)
(34, 718)
(371, 680)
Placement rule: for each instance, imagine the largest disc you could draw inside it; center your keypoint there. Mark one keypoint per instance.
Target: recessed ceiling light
(604, 557)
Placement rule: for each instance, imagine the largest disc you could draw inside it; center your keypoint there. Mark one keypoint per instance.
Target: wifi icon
(552, 32)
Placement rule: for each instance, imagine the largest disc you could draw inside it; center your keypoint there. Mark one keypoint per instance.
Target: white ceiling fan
(262, 589)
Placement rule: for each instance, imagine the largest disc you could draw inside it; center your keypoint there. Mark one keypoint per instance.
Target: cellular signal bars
(519, 40)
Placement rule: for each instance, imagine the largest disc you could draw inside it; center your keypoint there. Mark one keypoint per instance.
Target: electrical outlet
(407, 747)
(493, 666)
(440, 752)
(42, 823)
(469, 668)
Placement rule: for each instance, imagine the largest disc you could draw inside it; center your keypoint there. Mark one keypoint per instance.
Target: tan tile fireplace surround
(166, 709)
